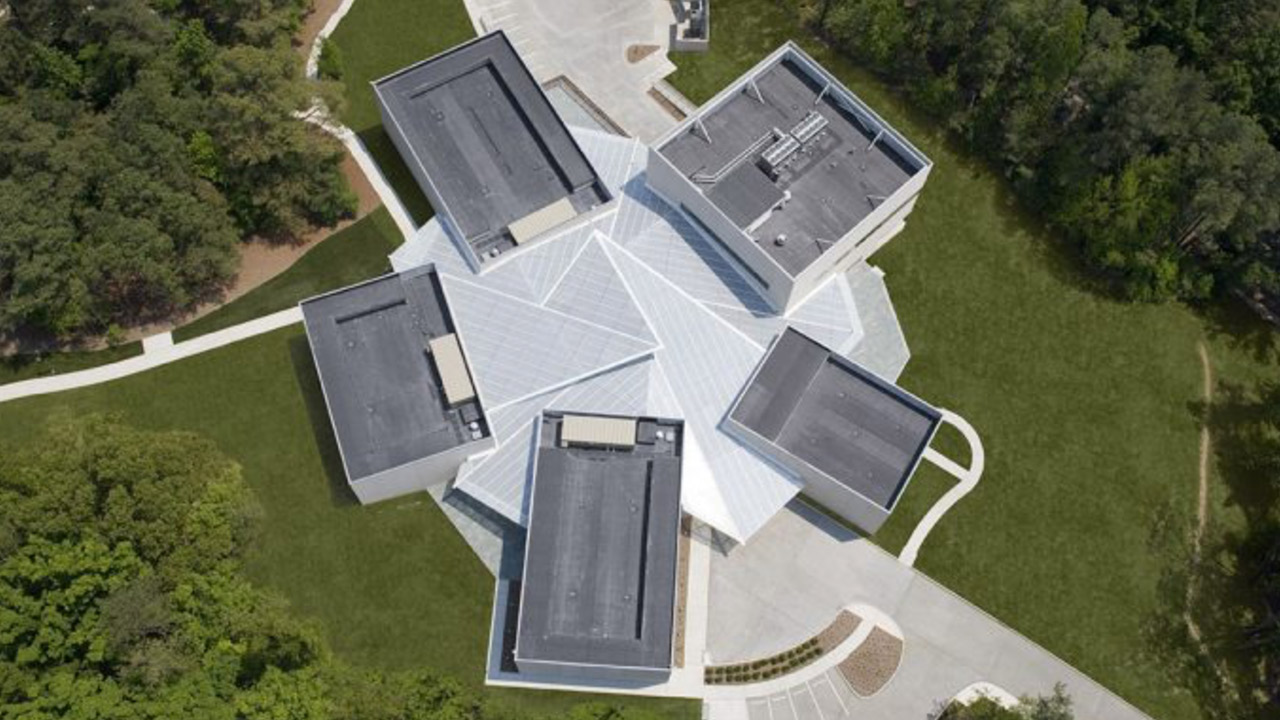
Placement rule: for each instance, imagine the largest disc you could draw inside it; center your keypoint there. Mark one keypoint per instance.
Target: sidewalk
(160, 350)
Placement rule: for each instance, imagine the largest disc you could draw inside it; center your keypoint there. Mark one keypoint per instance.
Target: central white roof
(633, 312)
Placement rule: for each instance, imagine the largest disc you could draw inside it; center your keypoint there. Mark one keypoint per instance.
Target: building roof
(492, 148)
(599, 579)
(669, 326)
(841, 420)
(385, 395)
(788, 126)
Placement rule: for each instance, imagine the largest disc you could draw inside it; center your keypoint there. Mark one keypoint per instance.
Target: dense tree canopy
(138, 142)
(1141, 129)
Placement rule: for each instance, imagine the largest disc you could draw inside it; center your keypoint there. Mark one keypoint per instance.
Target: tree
(138, 142)
(1056, 706)
(273, 167)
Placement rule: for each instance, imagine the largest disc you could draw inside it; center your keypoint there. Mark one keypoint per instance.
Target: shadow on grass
(1235, 322)
(304, 371)
(1233, 669)
(384, 153)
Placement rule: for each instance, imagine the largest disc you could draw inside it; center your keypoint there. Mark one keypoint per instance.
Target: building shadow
(304, 372)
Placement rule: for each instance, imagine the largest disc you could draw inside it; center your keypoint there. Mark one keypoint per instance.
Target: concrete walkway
(967, 477)
(156, 354)
(802, 562)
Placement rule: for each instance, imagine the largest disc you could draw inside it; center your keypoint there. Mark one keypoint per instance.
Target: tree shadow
(1232, 320)
(304, 371)
(1232, 670)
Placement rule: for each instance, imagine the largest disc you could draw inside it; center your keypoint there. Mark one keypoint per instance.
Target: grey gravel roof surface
(382, 389)
(487, 136)
(599, 580)
(859, 430)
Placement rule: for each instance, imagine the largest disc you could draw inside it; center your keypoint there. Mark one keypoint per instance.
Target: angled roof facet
(518, 349)
(689, 329)
(591, 290)
(706, 362)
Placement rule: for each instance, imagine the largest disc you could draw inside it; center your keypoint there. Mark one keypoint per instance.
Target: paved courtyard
(801, 569)
(586, 41)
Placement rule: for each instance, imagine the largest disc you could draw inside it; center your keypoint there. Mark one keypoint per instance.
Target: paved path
(156, 354)
(806, 565)
(586, 41)
(967, 477)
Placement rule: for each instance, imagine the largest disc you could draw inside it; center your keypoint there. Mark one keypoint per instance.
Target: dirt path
(1202, 500)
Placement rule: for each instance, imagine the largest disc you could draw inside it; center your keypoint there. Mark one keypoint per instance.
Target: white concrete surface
(157, 343)
(313, 57)
(586, 41)
(967, 480)
(150, 359)
(697, 605)
(791, 579)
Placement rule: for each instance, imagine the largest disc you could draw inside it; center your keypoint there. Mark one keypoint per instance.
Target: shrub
(329, 65)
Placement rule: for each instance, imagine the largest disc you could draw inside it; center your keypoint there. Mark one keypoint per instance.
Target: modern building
(487, 148)
(400, 394)
(853, 438)
(795, 176)
(598, 593)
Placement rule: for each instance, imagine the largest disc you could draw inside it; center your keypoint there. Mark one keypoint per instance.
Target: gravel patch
(873, 663)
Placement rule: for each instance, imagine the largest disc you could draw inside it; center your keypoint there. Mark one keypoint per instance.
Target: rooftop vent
(778, 153)
(809, 127)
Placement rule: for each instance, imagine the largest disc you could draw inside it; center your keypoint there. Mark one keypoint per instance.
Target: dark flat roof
(600, 558)
(861, 431)
(487, 137)
(384, 394)
(833, 180)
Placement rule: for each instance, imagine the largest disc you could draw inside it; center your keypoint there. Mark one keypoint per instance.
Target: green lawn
(1086, 406)
(356, 253)
(26, 366)
(392, 585)
(927, 486)
(379, 37)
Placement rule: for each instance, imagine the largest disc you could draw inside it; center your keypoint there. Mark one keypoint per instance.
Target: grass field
(379, 37)
(1087, 407)
(392, 585)
(356, 253)
(27, 366)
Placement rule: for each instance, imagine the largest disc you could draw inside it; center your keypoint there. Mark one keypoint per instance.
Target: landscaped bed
(787, 661)
(872, 664)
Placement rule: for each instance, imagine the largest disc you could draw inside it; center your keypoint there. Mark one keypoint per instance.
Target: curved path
(967, 477)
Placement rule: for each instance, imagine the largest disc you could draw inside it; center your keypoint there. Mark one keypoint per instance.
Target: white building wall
(854, 508)
(577, 673)
(679, 191)
(783, 291)
(417, 476)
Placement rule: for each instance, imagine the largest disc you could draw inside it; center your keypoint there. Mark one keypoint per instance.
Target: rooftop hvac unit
(778, 153)
(809, 127)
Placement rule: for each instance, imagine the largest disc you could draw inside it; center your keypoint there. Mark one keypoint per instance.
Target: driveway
(586, 41)
(791, 579)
